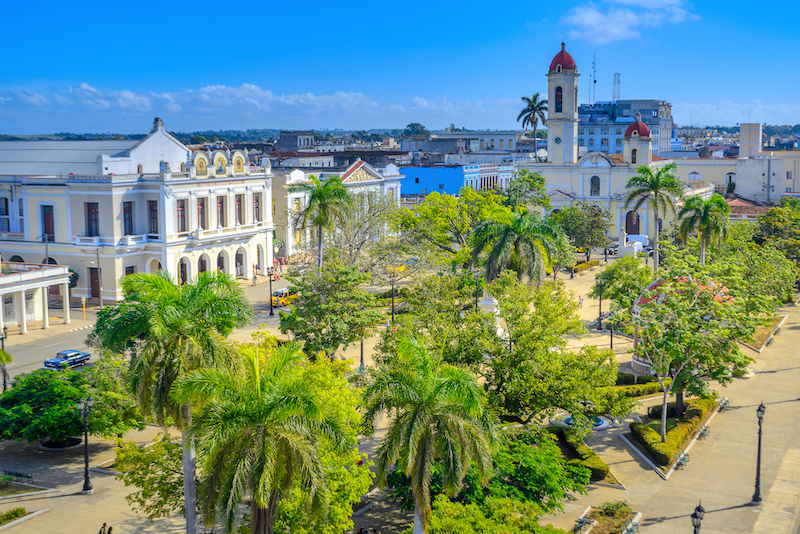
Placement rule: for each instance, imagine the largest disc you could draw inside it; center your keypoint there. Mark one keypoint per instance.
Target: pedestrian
(361, 531)
(109, 530)
(255, 279)
(388, 323)
(281, 266)
(103, 530)
(580, 301)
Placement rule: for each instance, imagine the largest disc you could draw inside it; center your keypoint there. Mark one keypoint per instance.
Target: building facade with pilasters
(146, 206)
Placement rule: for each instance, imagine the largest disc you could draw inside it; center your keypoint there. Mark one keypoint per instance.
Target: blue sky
(113, 66)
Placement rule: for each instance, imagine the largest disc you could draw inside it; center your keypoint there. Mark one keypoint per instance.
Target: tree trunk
(655, 244)
(702, 237)
(319, 238)
(664, 407)
(679, 405)
(189, 485)
(263, 519)
(418, 527)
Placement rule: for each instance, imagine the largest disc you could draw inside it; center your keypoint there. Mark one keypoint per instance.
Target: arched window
(633, 155)
(694, 176)
(139, 169)
(558, 67)
(730, 178)
(201, 167)
(559, 100)
(595, 186)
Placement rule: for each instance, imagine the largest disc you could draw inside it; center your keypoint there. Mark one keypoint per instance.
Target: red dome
(564, 59)
(639, 127)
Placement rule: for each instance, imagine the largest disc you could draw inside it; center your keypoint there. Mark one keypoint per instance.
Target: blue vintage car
(67, 359)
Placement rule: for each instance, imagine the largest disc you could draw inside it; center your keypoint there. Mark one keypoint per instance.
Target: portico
(24, 293)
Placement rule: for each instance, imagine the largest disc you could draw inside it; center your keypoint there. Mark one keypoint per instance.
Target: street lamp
(85, 408)
(697, 517)
(757, 495)
(270, 272)
(3, 337)
(392, 280)
(601, 284)
(477, 287)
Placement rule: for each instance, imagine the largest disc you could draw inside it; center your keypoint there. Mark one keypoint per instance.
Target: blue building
(424, 180)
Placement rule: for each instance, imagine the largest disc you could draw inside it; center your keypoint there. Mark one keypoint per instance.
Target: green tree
(363, 226)
(414, 128)
(688, 329)
(197, 140)
(520, 242)
(437, 412)
(624, 281)
(660, 189)
(155, 471)
(332, 309)
(525, 189)
(106, 383)
(444, 223)
(43, 403)
(172, 330)
(708, 217)
(780, 226)
(586, 224)
(533, 111)
(327, 202)
(260, 433)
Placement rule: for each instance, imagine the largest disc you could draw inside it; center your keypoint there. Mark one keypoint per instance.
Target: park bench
(770, 340)
(704, 430)
(629, 527)
(777, 331)
(581, 524)
(724, 403)
(18, 476)
(683, 459)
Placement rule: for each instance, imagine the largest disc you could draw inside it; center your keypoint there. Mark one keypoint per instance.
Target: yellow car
(283, 297)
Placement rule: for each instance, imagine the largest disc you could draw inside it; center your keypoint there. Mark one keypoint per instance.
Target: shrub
(11, 515)
(398, 292)
(624, 379)
(666, 452)
(615, 509)
(640, 390)
(585, 266)
(586, 456)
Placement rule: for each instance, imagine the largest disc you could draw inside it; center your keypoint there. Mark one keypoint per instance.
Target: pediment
(595, 160)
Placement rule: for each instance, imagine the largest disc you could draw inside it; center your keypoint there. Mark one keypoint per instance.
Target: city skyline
(370, 66)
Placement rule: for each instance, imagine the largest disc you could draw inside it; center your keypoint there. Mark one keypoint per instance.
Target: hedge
(11, 515)
(625, 379)
(398, 292)
(641, 390)
(586, 456)
(585, 266)
(665, 453)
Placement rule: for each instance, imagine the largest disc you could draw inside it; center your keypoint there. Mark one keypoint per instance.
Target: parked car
(67, 359)
(283, 297)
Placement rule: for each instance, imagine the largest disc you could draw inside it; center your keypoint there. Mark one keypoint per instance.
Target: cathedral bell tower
(562, 109)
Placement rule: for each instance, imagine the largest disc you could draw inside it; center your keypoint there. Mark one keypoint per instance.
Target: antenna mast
(594, 77)
(615, 92)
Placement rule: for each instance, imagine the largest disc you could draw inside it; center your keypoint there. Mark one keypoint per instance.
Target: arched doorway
(594, 189)
(261, 260)
(183, 270)
(16, 259)
(203, 263)
(632, 221)
(240, 261)
(152, 266)
(222, 261)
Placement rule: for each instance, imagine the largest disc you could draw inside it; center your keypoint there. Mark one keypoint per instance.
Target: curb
(41, 489)
(23, 519)
(81, 328)
(658, 471)
(694, 440)
(771, 336)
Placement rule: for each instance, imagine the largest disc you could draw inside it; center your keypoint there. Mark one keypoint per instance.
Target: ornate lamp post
(757, 495)
(270, 272)
(601, 284)
(697, 517)
(85, 408)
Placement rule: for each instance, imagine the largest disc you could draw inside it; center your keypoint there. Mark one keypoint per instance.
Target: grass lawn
(13, 488)
(762, 333)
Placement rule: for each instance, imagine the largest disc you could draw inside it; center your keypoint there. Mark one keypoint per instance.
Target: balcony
(113, 241)
(12, 236)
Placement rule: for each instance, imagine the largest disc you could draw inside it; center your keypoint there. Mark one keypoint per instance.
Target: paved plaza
(721, 471)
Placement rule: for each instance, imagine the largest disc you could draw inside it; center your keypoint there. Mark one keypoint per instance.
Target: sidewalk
(57, 326)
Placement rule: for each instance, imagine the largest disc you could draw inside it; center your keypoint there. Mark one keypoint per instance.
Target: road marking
(54, 344)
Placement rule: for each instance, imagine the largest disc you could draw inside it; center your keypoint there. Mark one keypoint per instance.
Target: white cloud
(618, 20)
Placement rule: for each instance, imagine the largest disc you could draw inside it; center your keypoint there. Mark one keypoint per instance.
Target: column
(619, 220)
(247, 211)
(2, 311)
(646, 219)
(22, 319)
(65, 301)
(45, 308)
(192, 207)
(230, 210)
(212, 212)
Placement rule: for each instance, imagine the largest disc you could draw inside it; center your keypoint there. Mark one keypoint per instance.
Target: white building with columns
(24, 289)
(110, 208)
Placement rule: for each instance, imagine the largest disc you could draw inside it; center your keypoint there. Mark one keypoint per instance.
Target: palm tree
(437, 412)
(327, 201)
(172, 329)
(533, 111)
(260, 429)
(661, 189)
(709, 217)
(523, 242)
(5, 359)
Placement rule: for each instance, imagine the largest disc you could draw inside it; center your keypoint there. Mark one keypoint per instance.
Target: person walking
(103, 529)
(109, 530)
(580, 301)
